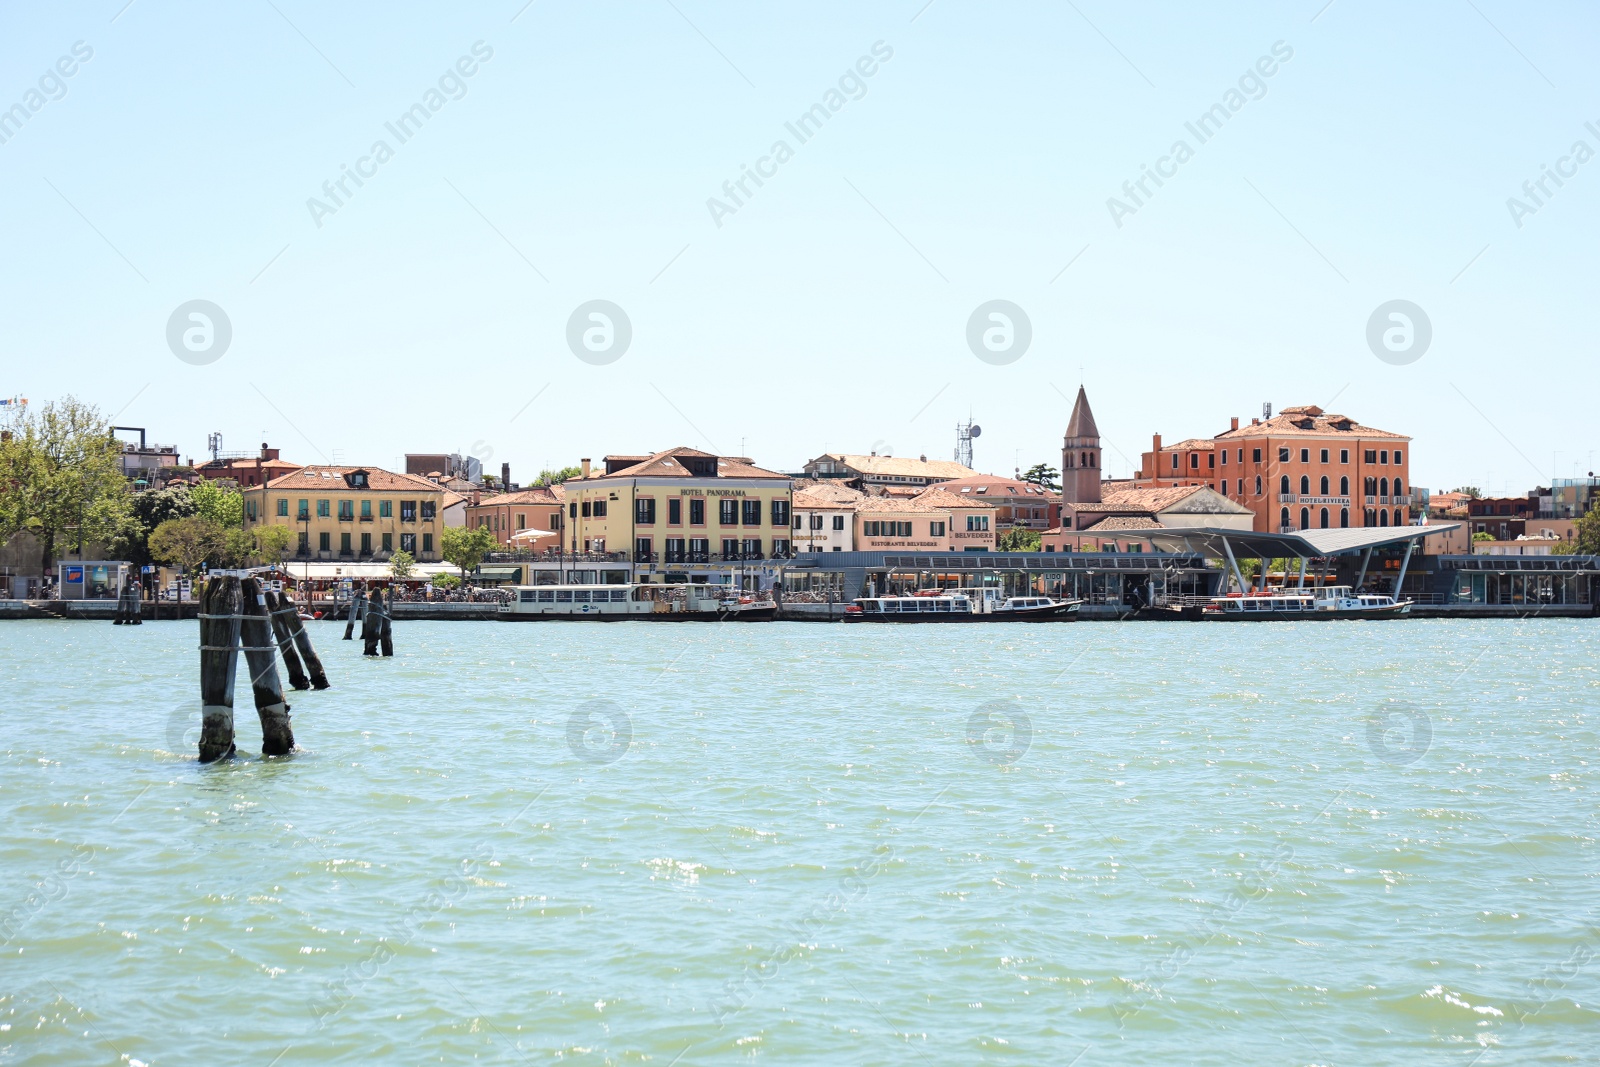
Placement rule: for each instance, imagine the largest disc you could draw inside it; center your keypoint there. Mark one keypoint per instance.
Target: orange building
(1191, 462)
(504, 514)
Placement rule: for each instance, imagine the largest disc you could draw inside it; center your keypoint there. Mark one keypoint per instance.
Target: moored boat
(1330, 602)
(985, 605)
(614, 603)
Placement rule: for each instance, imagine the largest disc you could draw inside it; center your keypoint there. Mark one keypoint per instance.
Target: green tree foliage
(1472, 491)
(1587, 543)
(271, 542)
(446, 581)
(1482, 535)
(466, 548)
(222, 504)
(146, 511)
(402, 564)
(1019, 539)
(61, 478)
(556, 477)
(1044, 476)
(188, 542)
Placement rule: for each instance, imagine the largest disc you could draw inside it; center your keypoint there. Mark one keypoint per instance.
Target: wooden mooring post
(302, 641)
(219, 656)
(237, 615)
(278, 608)
(130, 603)
(261, 653)
(358, 610)
(372, 625)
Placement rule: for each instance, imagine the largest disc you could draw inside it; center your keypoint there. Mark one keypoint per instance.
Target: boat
(1330, 602)
(961, 605)
(614, 603)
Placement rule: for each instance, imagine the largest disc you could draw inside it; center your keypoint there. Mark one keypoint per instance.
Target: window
(780, 548)
(1324, 455)
(1324, 485)
(408, 511)
(584, 508)
(408, 543)
(1305, 518)
(366, 544)
(1398, 520)
(1305, 455)
(388, 542)
(780, 513)
(1283, 455)
(522, 521)
(977, 522)
(1258, 485)
(303, 510)
(936, 529)
(322, 542)
(1324, 518)
(1194, 461)
(730, 547)
(1383, 517)
(555, 520)
(644, 510)
(1211, 460)
(1344, 455)
(750, 548)
(728, 512)
(699, 550)
(1344, 486)
(347, 511)
(1383, 487)
(1283, 518)
(675, 511)
(1305, 485)
(428, 509)
(697, 512)
(1283, 483)
(1344, 518)
(1224, 457)
(1255, 455)
(1369, 455)
(1174, 461)
(366, 511)
(572, 509)
(344, 544)
(1383, 457)
(599, 509)
(322, 509)
(838, 522)
(250, 509)
(641, 549)
(304, 548)
(427, 544)
(1397, 458)
(1397, 491)
(816, 522)
(283, 507)
(672, 551)
(751, 510)
(1241, 487)
(386, 509)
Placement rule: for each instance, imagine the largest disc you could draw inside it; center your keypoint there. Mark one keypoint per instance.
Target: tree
(1472, 491)
(61, 470)
(272, 542)
(1044, 476)
(1587, 542)
(238, 548)
(1482, 535)
(146, 511)
(402, 563)
(188, 542)
(556, 477)
(222, 504)
(1019, 539)
(466, 548)
(446, 581)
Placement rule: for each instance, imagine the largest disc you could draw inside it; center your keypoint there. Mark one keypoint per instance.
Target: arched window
(1344, 518)
(1383, 518)
(1370, 487)
(1399, 519)
(1283, 519)
(1091, 459)
(1083, 460)
(1305, 485)
(1324, 518)
(1305, 518)
(1324, 485)
(1397, 490)
(1383, 487)
(1344, 486)
(1258, 485)
(1283, 484)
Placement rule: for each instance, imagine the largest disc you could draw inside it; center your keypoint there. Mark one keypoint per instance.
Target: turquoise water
(643, 843)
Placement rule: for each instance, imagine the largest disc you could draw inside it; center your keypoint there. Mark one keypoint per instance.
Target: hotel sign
(1324, 500)
(711, 492)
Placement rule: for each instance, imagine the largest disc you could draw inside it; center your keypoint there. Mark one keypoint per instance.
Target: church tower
(1080, 455)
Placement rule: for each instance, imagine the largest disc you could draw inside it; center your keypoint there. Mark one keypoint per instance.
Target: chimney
(1255, 422)
(505, 475)
(1233, 423)
(583, 465)
(1155, 443)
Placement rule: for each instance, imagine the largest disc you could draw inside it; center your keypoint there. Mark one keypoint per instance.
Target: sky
(970, 152)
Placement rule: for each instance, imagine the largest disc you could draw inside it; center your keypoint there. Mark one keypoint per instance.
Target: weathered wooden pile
(130, 603)
(236, 616)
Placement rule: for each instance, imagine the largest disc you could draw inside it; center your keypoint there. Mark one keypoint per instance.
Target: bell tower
(1080, 455)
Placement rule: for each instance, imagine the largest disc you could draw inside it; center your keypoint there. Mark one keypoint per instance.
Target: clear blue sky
(830, 311)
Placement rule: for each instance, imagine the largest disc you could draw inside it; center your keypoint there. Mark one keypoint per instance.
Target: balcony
(1287, 498)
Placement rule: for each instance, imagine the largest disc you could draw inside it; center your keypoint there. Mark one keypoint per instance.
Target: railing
(1287, 498)
(1372, 499)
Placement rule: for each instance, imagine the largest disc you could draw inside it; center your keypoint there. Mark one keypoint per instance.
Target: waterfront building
(824, 516)
(504, 514)
(247, 469)
(882, 472)
(1016, 502)
(353, 513)
(932, 521)
(1190, 462)
(679, 506)
(1159, 507)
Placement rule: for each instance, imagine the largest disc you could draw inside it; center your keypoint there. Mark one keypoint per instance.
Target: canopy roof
(1209, 540)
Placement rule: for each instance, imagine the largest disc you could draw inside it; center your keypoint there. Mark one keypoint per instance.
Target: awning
(500, 573)
(1208, 540)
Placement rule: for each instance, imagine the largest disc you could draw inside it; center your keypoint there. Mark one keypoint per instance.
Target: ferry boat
(613, 603)
(961, 605)
(1330, 602)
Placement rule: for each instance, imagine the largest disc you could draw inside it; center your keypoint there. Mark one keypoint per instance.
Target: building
(1080, 455)
(1304, 469)
(504, 514)
(1191, 462)
(246, 470)
(680, 506)
(1571, 498)
(445, 465)
(1126, 509)
(1016, 502)
(146, 465)
(884, 472)
(352, 513)
(932, 521)
(1505, 518)
(824, 516)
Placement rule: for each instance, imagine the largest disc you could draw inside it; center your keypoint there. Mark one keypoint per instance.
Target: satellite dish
(977, 431)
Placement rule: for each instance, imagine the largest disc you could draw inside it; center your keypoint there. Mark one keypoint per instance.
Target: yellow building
(679, 507)
(352, 513)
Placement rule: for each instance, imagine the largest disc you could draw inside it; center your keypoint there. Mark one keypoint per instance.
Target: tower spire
(1080, 455)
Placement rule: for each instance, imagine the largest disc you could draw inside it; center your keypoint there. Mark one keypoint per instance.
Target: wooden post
(136, 603)
(372, 623)
(281, 634)
(386, 633)
(219, 657)
(358, 610)
(255, 631)
(302, 642)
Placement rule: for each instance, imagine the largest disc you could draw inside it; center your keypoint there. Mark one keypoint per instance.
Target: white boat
(1330, 602)
(961, 605)
(613, 603)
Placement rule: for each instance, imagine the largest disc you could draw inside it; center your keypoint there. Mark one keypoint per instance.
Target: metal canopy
(1209, 540)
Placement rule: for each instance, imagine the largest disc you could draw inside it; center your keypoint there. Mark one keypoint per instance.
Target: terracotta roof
(1123, 522)
(539, 494)
(810, 494)
(1081, 424)
(1308, 421)
(666, 465)
(936, 496)
(1193, 444)
(1142, 498)
(995, 485)
(872, 505)
(312, 477)
(904, 466)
